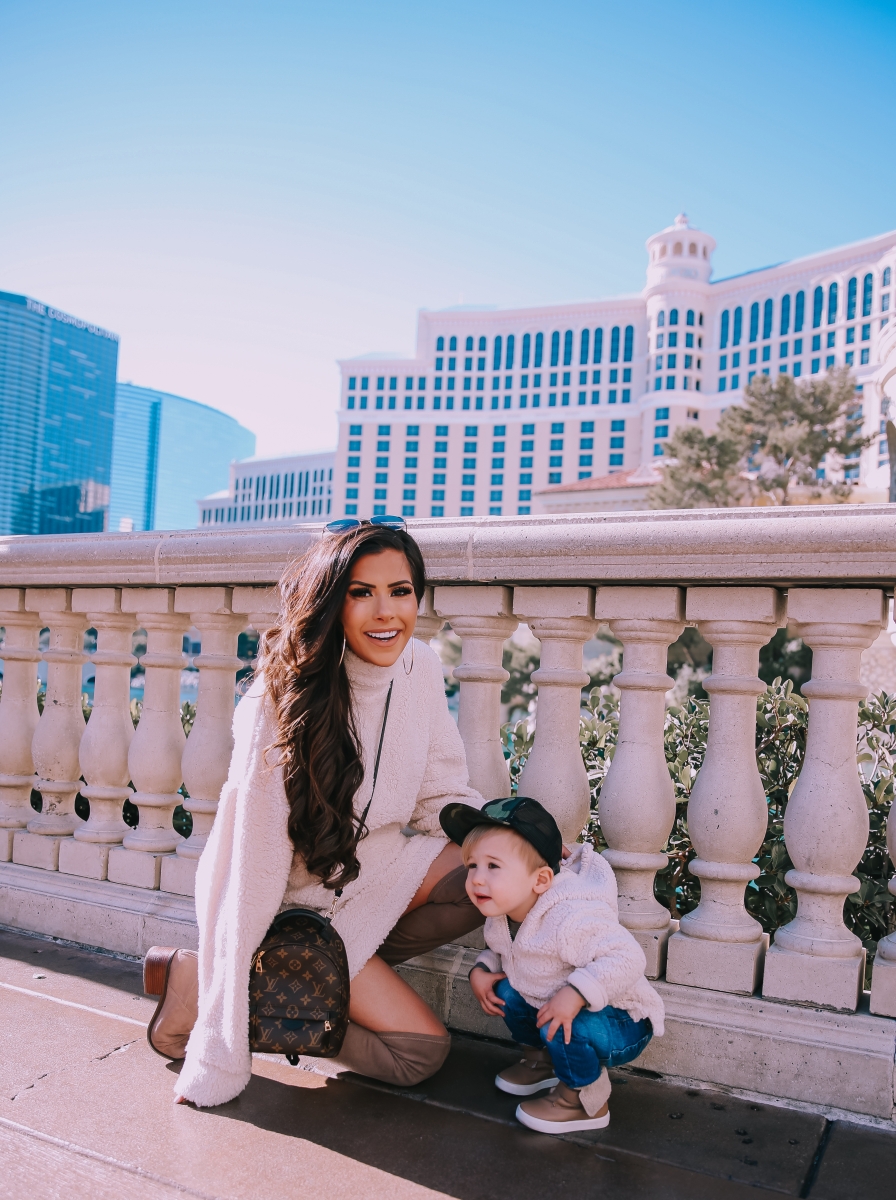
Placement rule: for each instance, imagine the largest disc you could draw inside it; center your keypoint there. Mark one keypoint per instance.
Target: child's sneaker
(560, 1112)
(531, 1074)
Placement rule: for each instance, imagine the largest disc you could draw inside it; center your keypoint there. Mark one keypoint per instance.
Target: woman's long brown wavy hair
(307, 683)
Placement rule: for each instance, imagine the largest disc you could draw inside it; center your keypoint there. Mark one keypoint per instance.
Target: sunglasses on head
(386, 521)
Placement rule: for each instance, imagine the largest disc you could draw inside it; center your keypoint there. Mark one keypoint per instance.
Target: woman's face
(380, 609)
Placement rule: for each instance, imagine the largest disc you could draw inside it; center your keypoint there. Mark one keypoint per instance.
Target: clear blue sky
(246, 192)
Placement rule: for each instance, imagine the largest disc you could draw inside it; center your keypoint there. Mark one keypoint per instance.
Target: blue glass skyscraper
(168, 453)
(57, 408)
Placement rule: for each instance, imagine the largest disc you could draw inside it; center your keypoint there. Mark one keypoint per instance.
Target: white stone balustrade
(719, 945)
(154, 758)
(57, 738)
(562, 619)
(637, 800)
(883, 987)
(814, 957)
(481, 617)
(103, 752)
(206, 757)
(18, 714)
(484, 575)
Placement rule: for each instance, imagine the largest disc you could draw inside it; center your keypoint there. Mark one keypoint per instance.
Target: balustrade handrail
(829, 545)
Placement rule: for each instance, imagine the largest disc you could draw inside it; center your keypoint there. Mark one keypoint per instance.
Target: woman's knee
(417, 1056)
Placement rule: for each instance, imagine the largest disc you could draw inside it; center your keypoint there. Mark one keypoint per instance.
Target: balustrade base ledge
(811, 979)
(95, 913)
(883, 988)
(786, 1052)
(721, 966)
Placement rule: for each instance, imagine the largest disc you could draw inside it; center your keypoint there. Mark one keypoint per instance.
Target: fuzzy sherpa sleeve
(607, 960)
(240, 882)
(445, 778)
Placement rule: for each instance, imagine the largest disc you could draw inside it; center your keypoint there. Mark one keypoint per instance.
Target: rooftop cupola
(679, 253)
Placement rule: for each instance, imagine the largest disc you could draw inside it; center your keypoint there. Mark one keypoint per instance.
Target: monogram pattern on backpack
(298, 988)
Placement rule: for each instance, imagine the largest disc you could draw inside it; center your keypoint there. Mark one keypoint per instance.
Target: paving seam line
(100, 1012)
(73, 1148)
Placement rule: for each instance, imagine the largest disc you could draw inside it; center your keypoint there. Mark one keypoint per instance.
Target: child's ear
(544, 877)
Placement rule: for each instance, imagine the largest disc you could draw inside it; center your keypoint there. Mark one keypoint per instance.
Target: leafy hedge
(781, 727)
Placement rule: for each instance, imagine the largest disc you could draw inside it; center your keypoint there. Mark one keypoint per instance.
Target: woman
(286, 833)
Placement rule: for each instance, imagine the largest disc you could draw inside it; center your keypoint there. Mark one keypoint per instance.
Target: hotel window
(660, 320)
(817, 306)
(799, 312)
(440, 343)
(527, 343)
(567, 348)
(832, 304)
(797, 370)
(766, 353)
(584, 348)
(452, 345)
(782, 350)
(555, 349)
(738, 326)
(767, 314)
(673, 316)
(816, 365)
(754, 321)
(832, 338)
(670, 383)
(785, 316)
(885, 278)
(865, 356)
(885, 302)
(496, 355)
(866, 333)
(851, 294)
(508, 363)
(539, 349)
(616, 460)
(867, 285)
(661, 431)
(723, 337)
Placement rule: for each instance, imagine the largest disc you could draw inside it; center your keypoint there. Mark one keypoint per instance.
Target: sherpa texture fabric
(249, 872)
(572, 935)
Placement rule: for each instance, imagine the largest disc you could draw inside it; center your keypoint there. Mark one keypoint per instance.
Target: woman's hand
(483, 984)
(561, 1009)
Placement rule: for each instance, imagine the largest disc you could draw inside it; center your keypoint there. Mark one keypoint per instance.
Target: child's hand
(561, 1009)
(483, 984)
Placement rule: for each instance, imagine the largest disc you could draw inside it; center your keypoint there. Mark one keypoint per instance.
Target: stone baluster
(154, 759)
(883, 985)
(18, 714)
(261, 607)
(206, 759)
(814, 957)
(59, 731)
(104, 746)
(719, 945)
(637, 800)
(561, 618)
(481, 617)
(428, 620)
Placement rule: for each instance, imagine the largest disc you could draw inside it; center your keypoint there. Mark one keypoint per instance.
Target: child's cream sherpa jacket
(572, 935)
(249, 871)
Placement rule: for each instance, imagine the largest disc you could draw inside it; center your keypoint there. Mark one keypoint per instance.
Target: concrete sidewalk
(86, 1110)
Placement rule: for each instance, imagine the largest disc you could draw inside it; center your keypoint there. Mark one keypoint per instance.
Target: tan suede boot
(560, 1111)
(533, 1073)
(173, 976)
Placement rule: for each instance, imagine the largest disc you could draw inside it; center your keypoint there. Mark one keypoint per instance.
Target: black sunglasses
(344, 523)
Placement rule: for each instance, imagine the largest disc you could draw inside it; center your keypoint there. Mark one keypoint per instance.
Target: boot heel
(155, 969)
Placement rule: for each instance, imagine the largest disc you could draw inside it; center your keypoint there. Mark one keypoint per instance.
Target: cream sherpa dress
(249, 871)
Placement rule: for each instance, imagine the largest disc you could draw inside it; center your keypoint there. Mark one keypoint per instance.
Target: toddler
(566, 977)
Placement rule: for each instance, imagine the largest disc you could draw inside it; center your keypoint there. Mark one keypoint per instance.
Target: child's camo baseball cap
(524, 816)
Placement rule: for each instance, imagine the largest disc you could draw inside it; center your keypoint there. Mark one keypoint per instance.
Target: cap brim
(458, 819)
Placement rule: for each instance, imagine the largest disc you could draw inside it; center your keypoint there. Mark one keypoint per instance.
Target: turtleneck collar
(368, 676)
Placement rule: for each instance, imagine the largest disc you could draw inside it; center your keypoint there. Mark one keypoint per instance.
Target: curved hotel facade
(500, 404)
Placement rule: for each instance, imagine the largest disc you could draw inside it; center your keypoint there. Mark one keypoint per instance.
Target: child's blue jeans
(599, 1039)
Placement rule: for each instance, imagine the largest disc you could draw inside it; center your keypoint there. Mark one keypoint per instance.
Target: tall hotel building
(498, 405)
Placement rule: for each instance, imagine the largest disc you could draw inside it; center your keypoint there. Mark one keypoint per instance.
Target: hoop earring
(342, 655)
(407, 670)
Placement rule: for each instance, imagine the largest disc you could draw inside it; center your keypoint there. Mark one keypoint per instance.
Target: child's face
(500, 881)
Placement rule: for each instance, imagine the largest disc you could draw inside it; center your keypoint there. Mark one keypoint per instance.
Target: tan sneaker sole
(525, 1089)
(558, 1127)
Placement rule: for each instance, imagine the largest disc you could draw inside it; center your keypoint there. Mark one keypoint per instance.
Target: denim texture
(599, 1039)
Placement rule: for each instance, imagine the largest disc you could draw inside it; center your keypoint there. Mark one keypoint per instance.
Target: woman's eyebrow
(361, 583)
